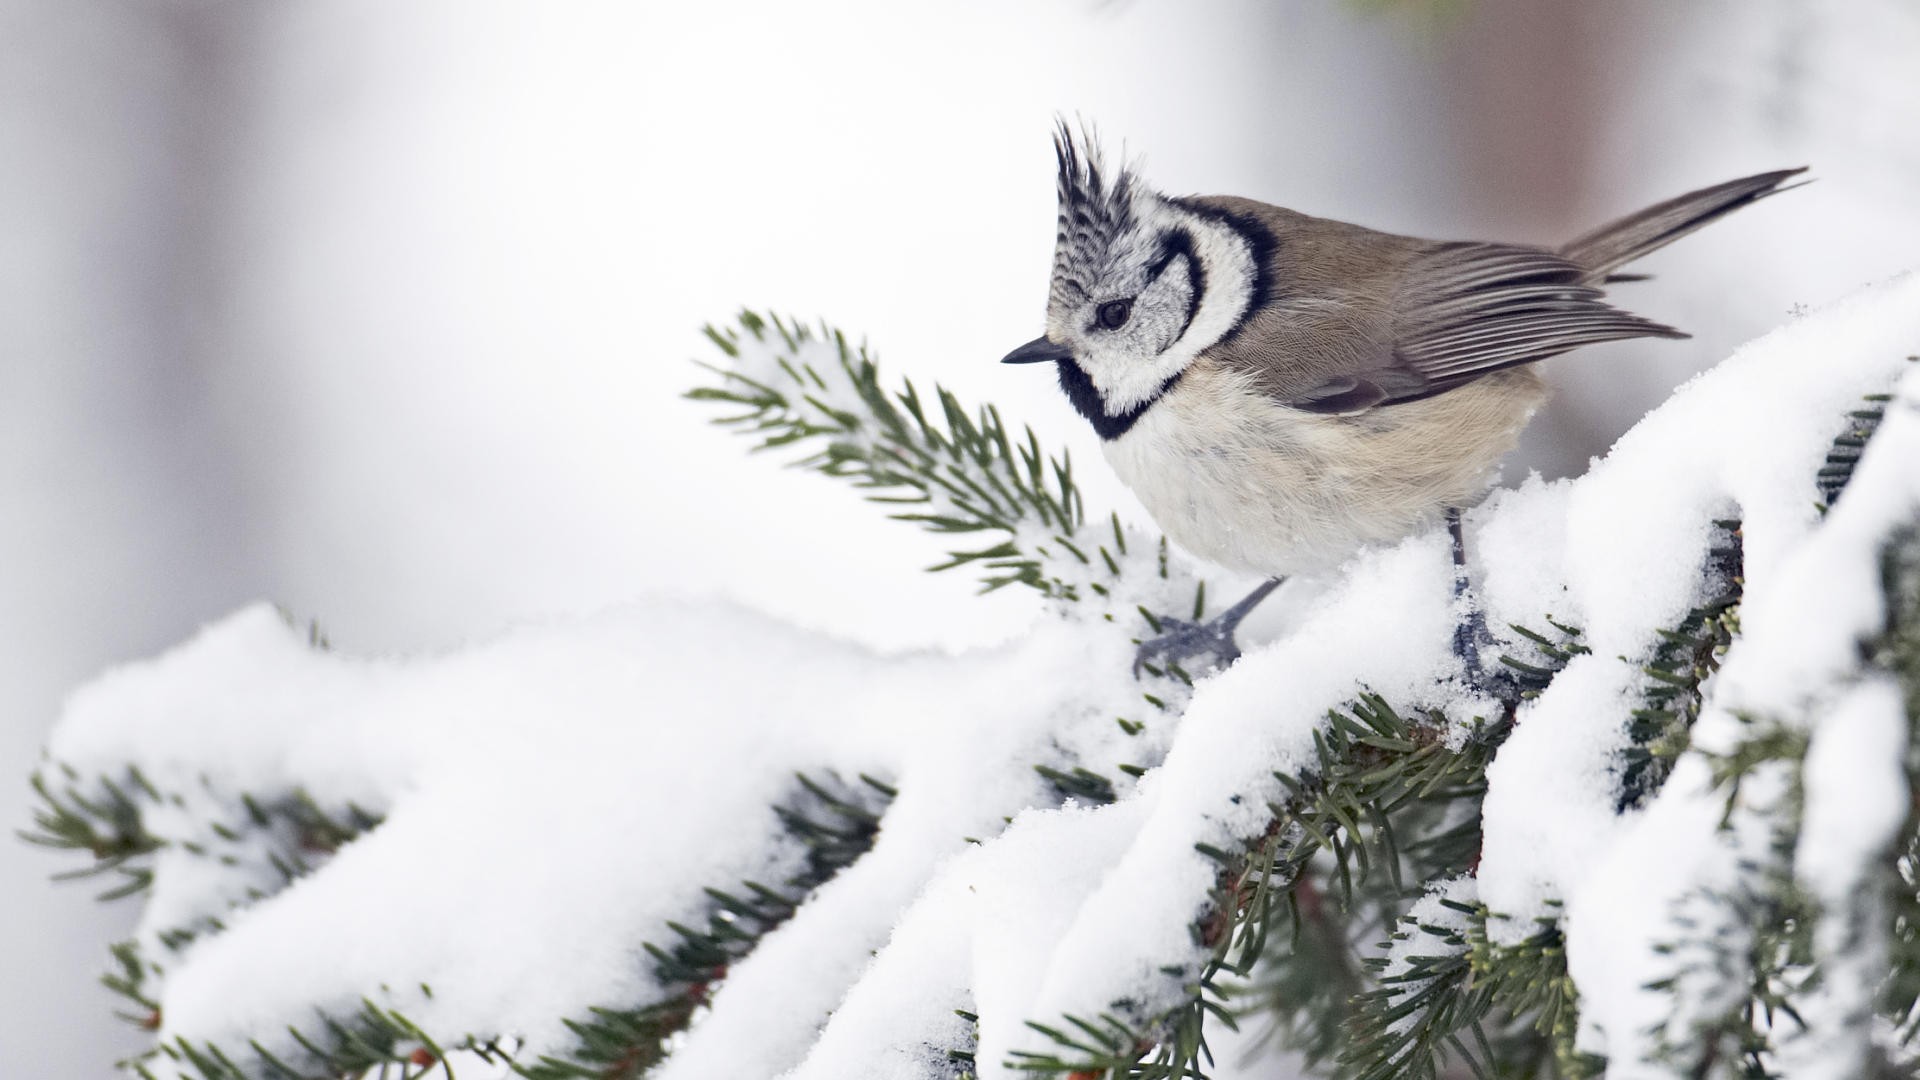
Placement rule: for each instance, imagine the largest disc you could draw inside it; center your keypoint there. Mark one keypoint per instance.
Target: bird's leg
(1470, 633)
(1181, 639)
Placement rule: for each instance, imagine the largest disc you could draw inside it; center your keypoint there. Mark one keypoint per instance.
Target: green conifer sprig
(1415, 1017)
(1081, 784)
(1659, 727)
(1335, 862)
(1848, 446)
(1898, 652)
(961, 1062)
(1900, 998)
(1310, 974)
(1774, 955)
(1531, 986)
(836, 821)
(357, 1044)
(105, 823)
(281, 840)
(1551, 651)
(951, 470)
(1772, 958)
(1461, 1002)
(105, 818)
(1376, 772)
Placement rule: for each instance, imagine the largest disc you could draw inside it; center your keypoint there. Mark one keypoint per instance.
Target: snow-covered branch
(683, 841)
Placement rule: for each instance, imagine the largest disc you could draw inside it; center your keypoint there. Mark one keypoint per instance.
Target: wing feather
(1466, 310)
(1350, 319)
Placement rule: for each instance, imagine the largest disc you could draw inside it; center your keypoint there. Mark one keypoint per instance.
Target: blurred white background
(382, 311)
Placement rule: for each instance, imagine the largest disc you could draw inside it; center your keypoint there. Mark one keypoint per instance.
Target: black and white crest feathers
(1095, 210)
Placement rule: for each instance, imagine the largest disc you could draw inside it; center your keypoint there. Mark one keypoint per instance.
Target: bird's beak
(1037, 351)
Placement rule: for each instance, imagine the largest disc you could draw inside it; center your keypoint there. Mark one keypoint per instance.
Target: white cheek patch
(1125, 379)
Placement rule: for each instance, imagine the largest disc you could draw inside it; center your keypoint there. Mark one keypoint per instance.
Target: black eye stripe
(1173, 244)
(1261, 244)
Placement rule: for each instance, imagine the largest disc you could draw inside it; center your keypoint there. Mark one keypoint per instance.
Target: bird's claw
(1181, 640)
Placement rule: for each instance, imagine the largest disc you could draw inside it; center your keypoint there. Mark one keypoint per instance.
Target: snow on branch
(1675, 838)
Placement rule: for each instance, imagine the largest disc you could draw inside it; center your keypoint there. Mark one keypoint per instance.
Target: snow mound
(488, 847)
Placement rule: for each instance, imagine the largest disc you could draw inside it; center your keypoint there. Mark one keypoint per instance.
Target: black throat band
(1086, 401)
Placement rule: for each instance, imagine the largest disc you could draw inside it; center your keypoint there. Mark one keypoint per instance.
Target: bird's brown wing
(1463, 310)
(1356, 319)
(1348, 319)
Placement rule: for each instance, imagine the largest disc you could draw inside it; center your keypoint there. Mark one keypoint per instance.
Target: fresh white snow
(553, 798)
(1811, 597)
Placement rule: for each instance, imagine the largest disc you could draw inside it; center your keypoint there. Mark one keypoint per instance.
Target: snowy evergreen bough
(1674, 836)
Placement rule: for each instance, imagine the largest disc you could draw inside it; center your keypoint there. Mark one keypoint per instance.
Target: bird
(1281, 390)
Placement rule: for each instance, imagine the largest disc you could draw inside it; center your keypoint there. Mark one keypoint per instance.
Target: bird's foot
(1177, 641)
(1470, 637)
(1470, 634)
(1471, 640)
(1183, 640)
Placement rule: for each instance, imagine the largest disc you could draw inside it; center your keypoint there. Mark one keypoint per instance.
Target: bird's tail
(1620, 242)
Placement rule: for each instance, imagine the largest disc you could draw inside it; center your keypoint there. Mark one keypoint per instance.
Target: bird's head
(1141, 284)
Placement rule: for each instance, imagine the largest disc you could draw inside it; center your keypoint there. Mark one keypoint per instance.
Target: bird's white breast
(1241, 481)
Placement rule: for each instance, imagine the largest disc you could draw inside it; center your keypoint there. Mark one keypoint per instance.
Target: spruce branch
(354, 1044)
(268, 842)
(1765, 931)
(1334, 862)
(1529, 985)
(1011, 509)
(1375, 769)
(833, 820)
(105, 823)
(1898, 652)
(1413, 1020)
(1687, 655)
(836, 821)
(105, 817)
(1390, 804)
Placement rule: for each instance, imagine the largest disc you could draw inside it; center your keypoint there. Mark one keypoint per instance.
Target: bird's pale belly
(1255, 487)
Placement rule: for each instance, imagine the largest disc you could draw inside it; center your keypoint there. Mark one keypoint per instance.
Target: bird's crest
(1095, 209)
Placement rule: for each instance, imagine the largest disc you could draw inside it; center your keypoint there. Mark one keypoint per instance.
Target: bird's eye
(1115, 313)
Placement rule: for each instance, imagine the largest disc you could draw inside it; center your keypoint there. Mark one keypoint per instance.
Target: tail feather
(1620, 242)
